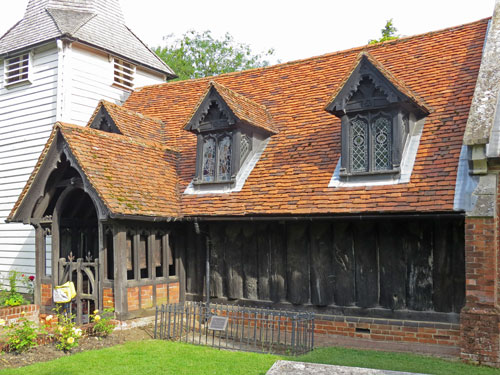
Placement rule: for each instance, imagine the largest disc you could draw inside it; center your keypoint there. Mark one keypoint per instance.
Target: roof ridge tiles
(120, 137)
(318, 57)
(131, 112)
(237, 94)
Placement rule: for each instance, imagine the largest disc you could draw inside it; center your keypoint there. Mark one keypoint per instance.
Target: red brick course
(133, 298)
(46, 295)
(161, 294)
(383, 330)
(173, 293)
(146, 297)
(108, 298)
(29, 312)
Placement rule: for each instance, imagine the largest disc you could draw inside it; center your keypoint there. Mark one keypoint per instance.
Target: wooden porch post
(120, 261)
(39, 263)
(102, 263)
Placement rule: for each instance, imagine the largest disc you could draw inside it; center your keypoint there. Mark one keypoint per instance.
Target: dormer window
(229, 129)
(370, 142)
(375, 110)
(17, 69)
(123, 74)
(217, 156)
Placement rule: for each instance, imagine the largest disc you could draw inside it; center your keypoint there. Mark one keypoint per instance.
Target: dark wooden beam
(120, 276)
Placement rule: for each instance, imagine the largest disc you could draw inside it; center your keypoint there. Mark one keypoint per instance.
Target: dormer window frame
(219, 130)
(396, 139)
(369, 94)
(18, 69)
(224, 120)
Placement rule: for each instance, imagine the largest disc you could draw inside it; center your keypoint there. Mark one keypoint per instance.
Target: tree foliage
(196, 55)
(388, 33)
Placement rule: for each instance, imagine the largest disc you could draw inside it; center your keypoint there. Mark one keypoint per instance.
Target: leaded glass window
(245, 147)
(224, 159)
(370, 143)
(359, 146)
(216, 157)
(208, 164)
(382, 144)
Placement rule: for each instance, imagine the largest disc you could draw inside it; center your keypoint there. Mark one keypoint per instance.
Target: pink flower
(32, 278)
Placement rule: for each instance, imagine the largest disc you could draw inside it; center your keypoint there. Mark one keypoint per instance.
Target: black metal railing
(236, 327)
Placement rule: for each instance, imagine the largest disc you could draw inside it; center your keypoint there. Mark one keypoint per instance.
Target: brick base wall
(108, 298)
(30, 312)
(173, 293)
(46, 299)
(133, 298)
(390, 330)
(161, 294)
(142, 297)
(146, 297)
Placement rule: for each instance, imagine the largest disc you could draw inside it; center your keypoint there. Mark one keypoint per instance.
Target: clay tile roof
(131, 176)
(398, 83)
(438, 70)
(143, 175)
(245, 109)
(132, 124)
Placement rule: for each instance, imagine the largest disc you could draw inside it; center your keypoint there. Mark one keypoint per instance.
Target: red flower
(32, 278)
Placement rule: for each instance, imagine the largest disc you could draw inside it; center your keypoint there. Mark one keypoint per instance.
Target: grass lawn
(163, 357)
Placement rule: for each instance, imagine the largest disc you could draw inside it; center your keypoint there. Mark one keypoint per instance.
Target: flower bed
(21, 333)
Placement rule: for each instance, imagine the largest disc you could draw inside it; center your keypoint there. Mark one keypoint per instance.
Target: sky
(295, 29)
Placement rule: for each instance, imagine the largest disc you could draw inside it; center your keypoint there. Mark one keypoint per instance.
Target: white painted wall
(68, 82)
(27, 113)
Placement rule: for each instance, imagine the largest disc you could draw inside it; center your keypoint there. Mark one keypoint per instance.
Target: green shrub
(12, 297)
(66, 332)
(102, 322)
(21, 334)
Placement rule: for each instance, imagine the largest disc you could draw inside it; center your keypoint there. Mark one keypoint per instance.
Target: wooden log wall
(393, 264)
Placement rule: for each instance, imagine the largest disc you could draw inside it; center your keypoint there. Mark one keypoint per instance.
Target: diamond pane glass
(245, 147)
(359, 146)
(224, 165)
(208, 160)
(382, 144)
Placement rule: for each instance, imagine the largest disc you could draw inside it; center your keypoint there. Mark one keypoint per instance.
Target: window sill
(374, 173)
(13, 85)
(214, 183)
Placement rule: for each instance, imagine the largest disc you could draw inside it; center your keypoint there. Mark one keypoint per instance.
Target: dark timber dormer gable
(103, 121)
(377, 113)
(229, 128)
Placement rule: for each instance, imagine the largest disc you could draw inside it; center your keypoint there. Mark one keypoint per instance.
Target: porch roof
(131, 176)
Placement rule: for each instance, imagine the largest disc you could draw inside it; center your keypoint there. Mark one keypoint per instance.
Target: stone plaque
(218, 323)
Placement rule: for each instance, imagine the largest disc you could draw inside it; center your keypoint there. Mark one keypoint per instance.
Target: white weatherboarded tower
(55, 65)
